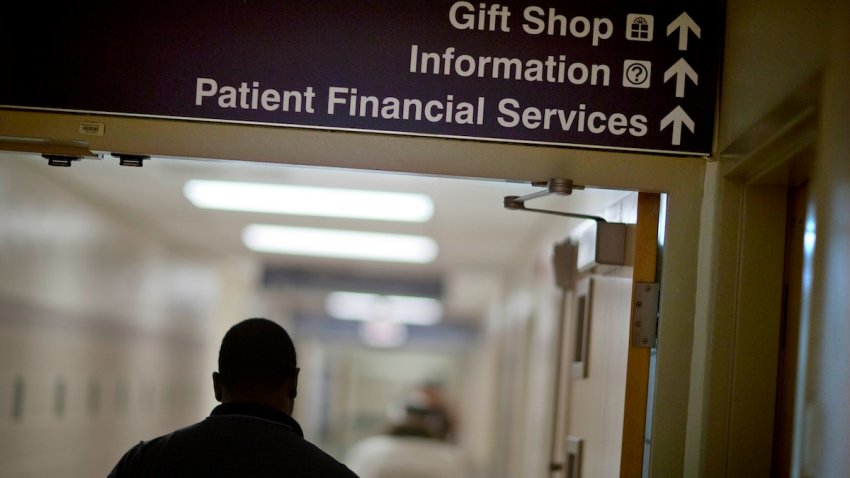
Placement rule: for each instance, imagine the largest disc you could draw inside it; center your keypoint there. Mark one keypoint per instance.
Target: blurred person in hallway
(414, 446)
(434, 397)
(252, 432)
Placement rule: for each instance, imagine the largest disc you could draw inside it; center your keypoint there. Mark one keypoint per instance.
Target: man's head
(256, 363)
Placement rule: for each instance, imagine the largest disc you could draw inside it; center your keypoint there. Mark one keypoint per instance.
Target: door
(604, 380)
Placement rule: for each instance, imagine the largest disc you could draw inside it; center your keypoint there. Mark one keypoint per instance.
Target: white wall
(515, 397)
(94, 304)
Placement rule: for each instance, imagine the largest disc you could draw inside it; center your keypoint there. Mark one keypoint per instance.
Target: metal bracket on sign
(645, 314)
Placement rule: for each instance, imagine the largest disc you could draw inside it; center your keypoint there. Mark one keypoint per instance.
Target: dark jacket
(236, 440)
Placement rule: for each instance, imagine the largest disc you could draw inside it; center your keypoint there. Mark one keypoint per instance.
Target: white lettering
(577, 73)
(506, 107)
(249, 96)
(204, 87)
(577, 22)
(333, 100)
(531, 15)
(592, 126)
(550, 69)
(638, 125)
(464, 21)
(512, 114)
(531, 117)
(539, 21)
(429, 108)
(617, 123)
(270, 100)
(228, 97)
(598, 33)
(463, 16)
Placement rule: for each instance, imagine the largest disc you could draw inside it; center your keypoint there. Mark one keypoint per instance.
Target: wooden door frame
(638, 366)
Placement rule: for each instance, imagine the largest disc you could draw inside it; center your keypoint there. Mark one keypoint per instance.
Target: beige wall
(771, 48)
(825, 384)
(774, 49)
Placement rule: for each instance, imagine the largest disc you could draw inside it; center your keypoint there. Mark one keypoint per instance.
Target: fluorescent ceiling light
(339, 244)
(309, 201)
(384, 308)
(383, 334)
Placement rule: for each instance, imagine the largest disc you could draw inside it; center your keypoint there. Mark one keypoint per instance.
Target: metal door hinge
(645, 314)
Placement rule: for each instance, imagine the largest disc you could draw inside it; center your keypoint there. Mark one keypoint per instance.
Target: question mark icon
(636, 73)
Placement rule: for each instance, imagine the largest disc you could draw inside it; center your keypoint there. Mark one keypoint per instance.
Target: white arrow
(680, 70)
(683, 23)
(678, 117)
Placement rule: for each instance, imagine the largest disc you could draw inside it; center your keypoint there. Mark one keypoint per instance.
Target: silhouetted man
(252, 433)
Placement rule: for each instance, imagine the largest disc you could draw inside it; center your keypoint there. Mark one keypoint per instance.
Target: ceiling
(480, 242)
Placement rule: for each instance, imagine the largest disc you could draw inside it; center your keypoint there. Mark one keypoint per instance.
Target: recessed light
(309, 201)
(340, 244)
(383, 335)
(384, 308)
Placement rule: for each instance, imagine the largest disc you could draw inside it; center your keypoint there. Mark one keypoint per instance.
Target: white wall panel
(125, 321)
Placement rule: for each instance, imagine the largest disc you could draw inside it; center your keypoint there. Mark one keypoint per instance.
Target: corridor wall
(108, 331)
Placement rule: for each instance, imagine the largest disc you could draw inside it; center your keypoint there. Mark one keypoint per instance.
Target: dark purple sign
(623, 75)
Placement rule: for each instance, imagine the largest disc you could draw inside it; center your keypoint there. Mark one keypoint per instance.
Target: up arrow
(683, 23)
(678, 117)
(680, 70)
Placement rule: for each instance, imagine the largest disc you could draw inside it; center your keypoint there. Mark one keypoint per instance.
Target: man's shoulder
(321, 461)
(139, 459)
(229, 446)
